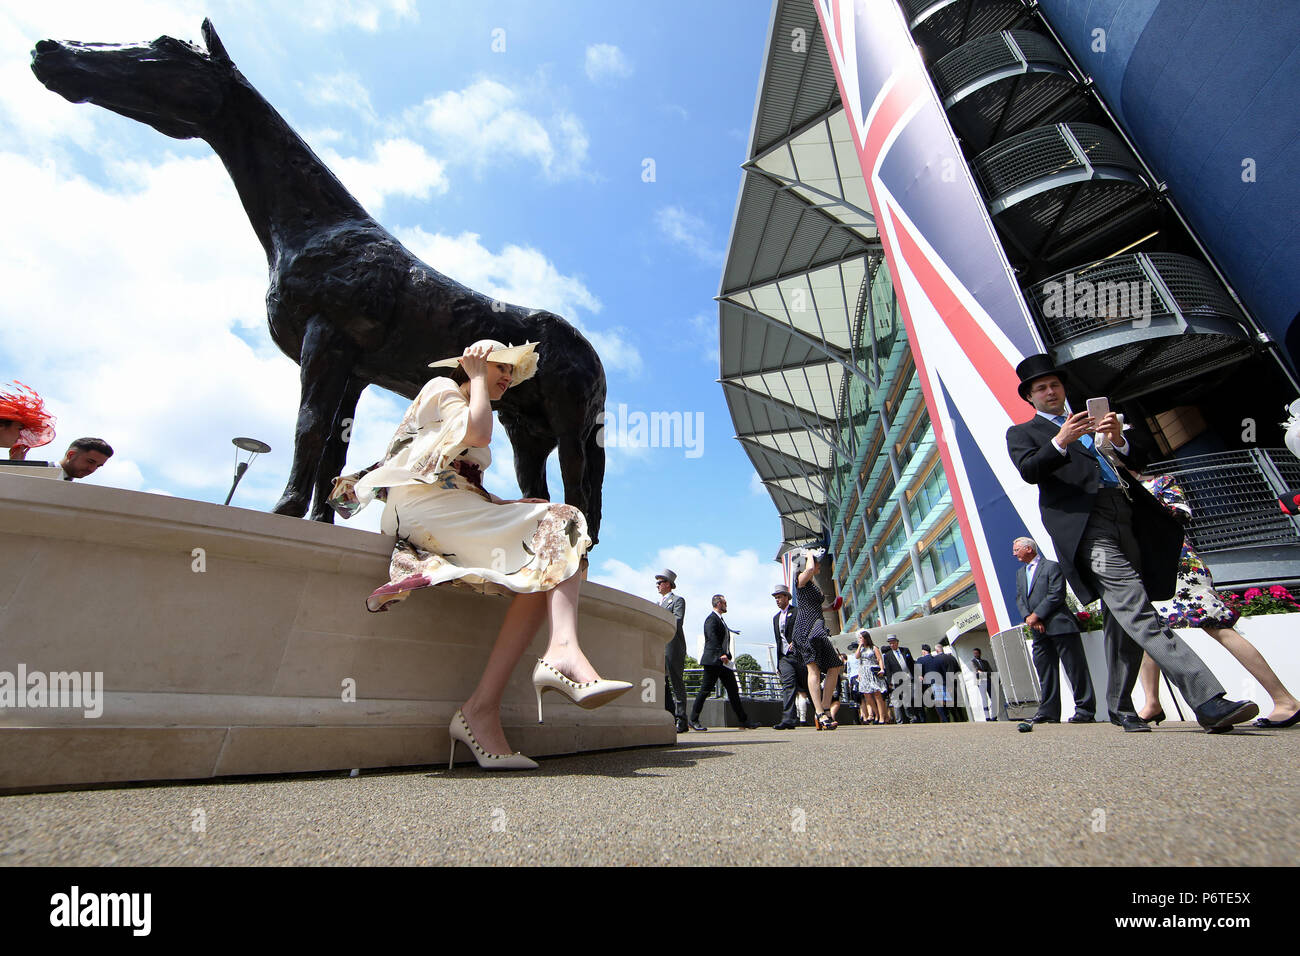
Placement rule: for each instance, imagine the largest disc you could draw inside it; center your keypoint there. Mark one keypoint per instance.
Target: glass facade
(898, 546)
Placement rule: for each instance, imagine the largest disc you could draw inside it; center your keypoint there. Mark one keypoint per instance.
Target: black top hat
(1035, 367)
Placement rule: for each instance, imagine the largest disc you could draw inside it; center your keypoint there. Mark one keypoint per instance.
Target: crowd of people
(1113, 540)
(25, 423)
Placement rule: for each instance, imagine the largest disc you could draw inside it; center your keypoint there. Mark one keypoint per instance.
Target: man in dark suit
(674, 650)
(1114, 541)
(932, 675)
(714, 659)
(789, 665)
(898, 676)
(1040, 598)
(951, 671)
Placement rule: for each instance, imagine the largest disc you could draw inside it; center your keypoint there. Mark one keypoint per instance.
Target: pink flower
(1279, 592)
(1252, 593)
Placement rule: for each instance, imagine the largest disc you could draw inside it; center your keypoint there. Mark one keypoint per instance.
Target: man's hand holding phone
(1075, 427)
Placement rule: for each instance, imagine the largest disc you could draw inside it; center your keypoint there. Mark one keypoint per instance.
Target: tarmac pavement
(946, 794)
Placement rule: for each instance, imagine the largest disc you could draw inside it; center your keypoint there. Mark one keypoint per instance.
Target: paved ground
(932, 794)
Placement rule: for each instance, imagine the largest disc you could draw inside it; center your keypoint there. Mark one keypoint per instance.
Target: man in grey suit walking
(674, 650)
(1114, 541)
(1040, 598)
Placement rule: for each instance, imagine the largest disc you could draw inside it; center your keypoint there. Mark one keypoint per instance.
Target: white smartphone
(1098, 407)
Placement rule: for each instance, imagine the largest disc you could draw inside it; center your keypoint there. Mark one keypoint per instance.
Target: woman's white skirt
(454, 535)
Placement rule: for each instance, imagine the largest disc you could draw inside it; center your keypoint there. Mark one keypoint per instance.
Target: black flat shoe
(1080, 719)
(1154, 718)
(1289, 722)
(696, 725)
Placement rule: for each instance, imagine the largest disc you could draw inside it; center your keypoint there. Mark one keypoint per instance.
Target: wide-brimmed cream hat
(522, 357)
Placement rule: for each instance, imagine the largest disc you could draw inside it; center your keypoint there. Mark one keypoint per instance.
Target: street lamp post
(254, 448)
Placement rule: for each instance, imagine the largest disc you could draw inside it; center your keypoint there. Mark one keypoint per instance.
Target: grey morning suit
(1123, 548)
(675, 659)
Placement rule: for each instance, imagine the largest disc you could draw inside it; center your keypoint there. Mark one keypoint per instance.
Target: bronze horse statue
(347, 301)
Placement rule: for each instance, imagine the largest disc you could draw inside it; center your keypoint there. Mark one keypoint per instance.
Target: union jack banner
(787, 569)
(966, 320)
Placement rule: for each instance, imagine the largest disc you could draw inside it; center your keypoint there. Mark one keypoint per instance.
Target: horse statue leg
(325, 365)
(531, 449)
(593, 482)
(334, 459)
(575, 468)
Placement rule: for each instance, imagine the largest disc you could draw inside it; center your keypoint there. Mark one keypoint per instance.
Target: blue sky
(507, 144)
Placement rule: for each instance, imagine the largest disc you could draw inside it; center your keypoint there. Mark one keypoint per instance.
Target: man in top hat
(675, 650)
(1113, 541)
(899, 668)
(789, 665)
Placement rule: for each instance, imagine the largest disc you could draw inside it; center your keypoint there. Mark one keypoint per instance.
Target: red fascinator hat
(20, 404)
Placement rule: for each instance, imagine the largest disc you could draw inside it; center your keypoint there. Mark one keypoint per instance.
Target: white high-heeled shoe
(588, 695)
(459, 732)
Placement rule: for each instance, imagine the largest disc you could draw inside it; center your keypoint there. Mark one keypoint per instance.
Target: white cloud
(366, 14)
(522, 276)
(702, 571)
(690, 232)
(122, 306)
(704, 336)
(485, 123)
(340, 89)
(396, 167)
(606, 61)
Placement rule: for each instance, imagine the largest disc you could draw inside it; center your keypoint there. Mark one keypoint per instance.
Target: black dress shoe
(682, 726)
(750, 725)
(1082, 719)
(1218, 714)
(1045, 720)
(696, 725)
(1131, 723)
(784, 726)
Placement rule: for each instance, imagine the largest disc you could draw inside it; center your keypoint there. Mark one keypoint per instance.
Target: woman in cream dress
(450, 529)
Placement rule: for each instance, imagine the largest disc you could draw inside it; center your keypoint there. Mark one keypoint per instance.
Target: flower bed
(1254, 602)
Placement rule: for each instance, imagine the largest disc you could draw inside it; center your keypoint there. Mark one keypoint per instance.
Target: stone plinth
(228, 640)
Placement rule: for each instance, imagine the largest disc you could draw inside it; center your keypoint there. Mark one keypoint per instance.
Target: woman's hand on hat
(474, 361)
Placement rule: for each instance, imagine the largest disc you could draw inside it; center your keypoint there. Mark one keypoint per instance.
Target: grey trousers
(1109, 553)
(674, 684)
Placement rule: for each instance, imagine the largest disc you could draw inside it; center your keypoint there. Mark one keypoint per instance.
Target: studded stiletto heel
(459, 732)
(588, 695)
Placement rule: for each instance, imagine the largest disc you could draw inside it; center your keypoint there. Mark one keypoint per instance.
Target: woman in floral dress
(451, 530)
(1196, 604)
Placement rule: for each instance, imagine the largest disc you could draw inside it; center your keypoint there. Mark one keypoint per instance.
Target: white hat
(522, 357)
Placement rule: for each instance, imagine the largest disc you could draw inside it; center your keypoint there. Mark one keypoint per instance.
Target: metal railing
(1236, 524)
(754, 685)
(1233, 497)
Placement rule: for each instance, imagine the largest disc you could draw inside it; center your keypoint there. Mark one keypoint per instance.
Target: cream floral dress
(448, 529)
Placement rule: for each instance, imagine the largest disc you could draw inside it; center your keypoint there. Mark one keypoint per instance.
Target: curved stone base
(237, 642)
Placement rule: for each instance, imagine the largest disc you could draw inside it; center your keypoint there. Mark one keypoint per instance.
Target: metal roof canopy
(792, 284)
